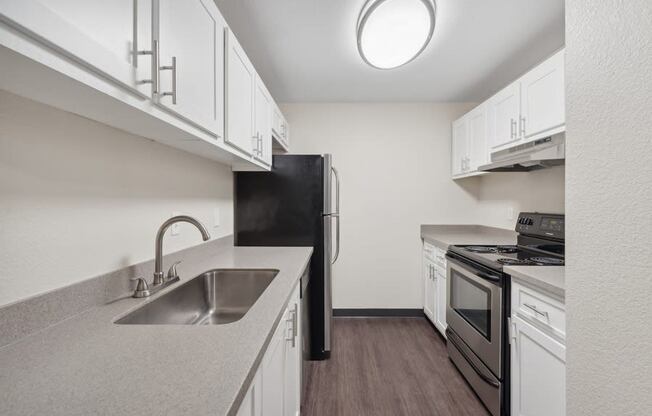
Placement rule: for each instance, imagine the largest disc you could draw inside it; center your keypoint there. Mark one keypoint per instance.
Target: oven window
(472, 302)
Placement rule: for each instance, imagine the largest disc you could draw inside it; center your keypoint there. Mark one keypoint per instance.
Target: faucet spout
(158, 259)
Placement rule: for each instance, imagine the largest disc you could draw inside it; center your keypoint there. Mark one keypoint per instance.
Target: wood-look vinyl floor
(388, 366)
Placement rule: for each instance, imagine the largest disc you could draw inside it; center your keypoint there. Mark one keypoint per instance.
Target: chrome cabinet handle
(172, 68)
(522, 126)
(292, 320)
(512, 128)
(154, 52)
(295, 329)
(535, 310)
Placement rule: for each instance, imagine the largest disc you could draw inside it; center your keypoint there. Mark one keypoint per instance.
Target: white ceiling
(305, 50)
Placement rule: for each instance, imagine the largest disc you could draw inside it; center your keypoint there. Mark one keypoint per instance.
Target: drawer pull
(535, 310)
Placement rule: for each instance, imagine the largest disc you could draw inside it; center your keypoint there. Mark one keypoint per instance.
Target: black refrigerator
(296, 204)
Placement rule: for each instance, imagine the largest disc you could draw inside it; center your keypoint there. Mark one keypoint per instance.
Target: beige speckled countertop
(443, 236)
(87, 365)
(548, 278)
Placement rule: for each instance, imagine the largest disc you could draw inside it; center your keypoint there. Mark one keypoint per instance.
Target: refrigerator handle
(336, 215)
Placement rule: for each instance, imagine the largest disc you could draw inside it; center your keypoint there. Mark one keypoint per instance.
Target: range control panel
(545, 225)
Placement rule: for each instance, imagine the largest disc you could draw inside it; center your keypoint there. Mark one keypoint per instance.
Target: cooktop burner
(514, 262)
(547, 261)
(531, 261)
(492, 249)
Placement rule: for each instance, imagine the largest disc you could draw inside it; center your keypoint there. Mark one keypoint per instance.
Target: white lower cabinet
(428, 273)
(440, 300)
(276, 388)
(538, 364)
(434, 292)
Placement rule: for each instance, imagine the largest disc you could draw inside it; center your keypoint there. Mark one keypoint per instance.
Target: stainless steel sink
(214, 297)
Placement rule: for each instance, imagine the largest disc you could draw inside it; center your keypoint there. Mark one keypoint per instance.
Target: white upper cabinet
(543, 106)
(504, 111)
(459, 147)
(477, 138)
(469, 145)
(262, 148)
(191, 50)
(280, 129)
(530, 108)
(167, 70)
(102, 35)
(240, 110)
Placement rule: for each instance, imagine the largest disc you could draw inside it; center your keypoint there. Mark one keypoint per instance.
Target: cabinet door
(240, 81)
(538, 372)
(542, 98)
(285, 131)
(273, 372)
(252, 403)
(103, 35)
(429, 290)
(191, 45)
(478, 150)
(293, 357)
(263, 117)
(504, 109)
(440, 302)
(459, 147)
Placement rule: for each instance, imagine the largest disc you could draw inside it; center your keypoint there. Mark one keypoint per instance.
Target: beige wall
(609, 201)
(78, 198)
(394, 160)
(540, 190)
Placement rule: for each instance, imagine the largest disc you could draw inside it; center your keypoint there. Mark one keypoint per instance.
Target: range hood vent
(538, 154)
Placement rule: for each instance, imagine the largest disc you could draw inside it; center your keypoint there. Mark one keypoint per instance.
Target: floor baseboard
(345, 312)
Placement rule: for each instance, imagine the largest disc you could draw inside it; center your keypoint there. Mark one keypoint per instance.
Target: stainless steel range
(478, 292)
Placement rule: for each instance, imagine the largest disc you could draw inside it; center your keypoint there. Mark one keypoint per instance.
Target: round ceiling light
(392, 33)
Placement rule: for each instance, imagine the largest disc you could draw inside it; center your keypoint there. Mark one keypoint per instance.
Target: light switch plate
(175, 229)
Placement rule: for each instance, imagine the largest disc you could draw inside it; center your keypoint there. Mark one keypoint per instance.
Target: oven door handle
(488, 277)
(480, 374)
(474, 270)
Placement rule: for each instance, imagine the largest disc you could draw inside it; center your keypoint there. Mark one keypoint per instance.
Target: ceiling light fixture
(392, 33)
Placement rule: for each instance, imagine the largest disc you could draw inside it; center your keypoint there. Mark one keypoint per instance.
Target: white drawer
(539, 308)
(440, 257)
(429, 251)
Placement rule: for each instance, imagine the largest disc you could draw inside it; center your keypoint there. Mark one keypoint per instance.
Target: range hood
(537, 154)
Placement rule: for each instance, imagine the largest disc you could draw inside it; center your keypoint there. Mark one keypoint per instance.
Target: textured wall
(78, 198)
(609, 207)
(394, 160)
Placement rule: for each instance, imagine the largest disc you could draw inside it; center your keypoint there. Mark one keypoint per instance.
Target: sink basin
(214, 297)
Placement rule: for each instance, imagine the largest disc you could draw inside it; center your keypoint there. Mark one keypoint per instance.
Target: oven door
(474, 311)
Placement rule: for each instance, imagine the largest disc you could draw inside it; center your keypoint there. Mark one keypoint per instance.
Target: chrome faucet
(158, 258)
(160, 280)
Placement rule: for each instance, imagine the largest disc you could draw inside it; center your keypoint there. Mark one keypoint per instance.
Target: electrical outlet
(216, 217)
(510, 213)
(175, 229)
